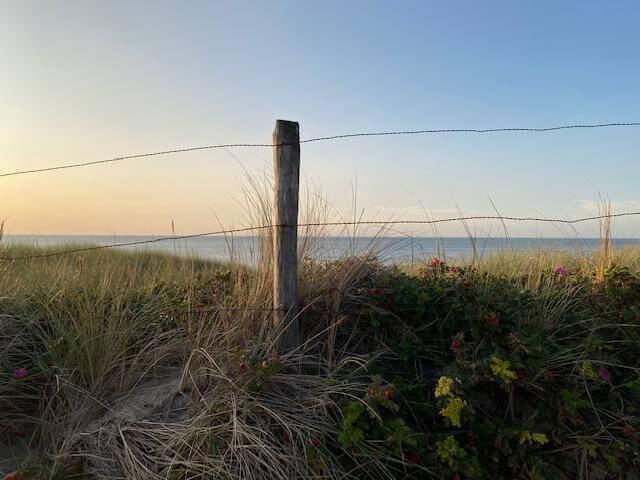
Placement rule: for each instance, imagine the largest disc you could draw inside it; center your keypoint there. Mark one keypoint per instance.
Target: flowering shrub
(495, 379)
(376, 416)
(471, 375)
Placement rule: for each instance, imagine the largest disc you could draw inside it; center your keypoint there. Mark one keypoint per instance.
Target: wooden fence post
(286, 169)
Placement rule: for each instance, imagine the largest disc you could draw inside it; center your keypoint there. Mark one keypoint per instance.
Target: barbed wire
(139, 242)
(471, 130)
(129, 157)
(320, 224)
(318, 139)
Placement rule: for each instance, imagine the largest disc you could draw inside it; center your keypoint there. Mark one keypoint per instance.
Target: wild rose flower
(628, 430)
(560, 270)
(455, 345)
(471, 438)
(413, 458)
(605, 374)
(285, 437)
(20, 372)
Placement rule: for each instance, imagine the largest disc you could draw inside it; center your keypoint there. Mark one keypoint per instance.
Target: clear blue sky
(84, 80)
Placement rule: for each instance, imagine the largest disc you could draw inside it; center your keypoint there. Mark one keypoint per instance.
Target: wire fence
(320, 139)
(302, 225)
(381, 223)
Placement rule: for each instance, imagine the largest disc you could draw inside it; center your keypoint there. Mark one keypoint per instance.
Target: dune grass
(89, 329)
(144, 365)
(355, 401)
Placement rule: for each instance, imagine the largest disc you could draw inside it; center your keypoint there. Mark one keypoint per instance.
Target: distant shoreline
(399, 237)
(390, 250)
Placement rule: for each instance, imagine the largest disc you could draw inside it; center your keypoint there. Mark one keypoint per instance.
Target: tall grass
(147, 365)
(97, 330)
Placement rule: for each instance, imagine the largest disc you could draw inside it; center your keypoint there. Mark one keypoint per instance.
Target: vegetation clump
(446, 371)
(497, 378)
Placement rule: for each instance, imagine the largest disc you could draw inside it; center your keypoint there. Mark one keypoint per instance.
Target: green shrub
(500, 380)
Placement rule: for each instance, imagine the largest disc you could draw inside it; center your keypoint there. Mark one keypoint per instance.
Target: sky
(88, 80)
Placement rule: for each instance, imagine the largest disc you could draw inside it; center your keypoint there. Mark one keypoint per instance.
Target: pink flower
(605, 374)
(20, 372)
(560, 270)
(284, 436)
(413, 457)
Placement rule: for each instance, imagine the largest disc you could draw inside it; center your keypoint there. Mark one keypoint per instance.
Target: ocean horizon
(390, 249)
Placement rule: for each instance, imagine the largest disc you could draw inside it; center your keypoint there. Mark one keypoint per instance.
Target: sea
(401, 250)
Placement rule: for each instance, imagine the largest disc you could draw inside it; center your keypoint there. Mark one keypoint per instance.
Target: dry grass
(99, 329)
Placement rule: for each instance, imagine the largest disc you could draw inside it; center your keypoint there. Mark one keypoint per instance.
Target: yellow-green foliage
(454, 404)
(449, 450)
(444, 387)
(501, 369)
(452, 410)
(529, 437)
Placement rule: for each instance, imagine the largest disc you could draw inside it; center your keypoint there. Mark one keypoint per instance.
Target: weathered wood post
(286, 169)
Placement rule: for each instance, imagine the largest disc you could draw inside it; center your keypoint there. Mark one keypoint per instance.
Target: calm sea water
(389, 249)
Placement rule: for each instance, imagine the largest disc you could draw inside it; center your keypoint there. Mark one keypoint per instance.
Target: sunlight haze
(89, 80)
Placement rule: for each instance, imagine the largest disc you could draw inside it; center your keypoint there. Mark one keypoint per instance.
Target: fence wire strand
(320, 224)
(319, 139)
(471, 130)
